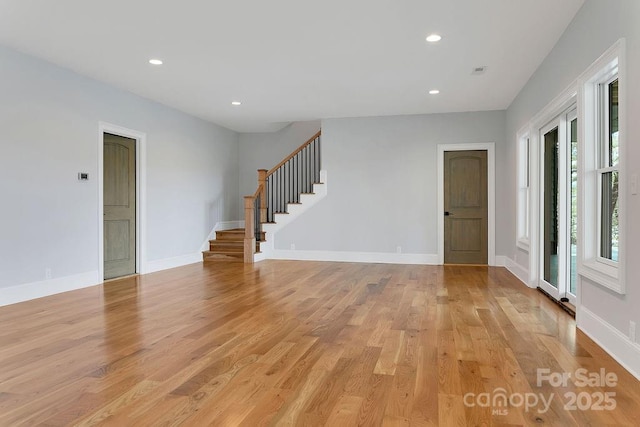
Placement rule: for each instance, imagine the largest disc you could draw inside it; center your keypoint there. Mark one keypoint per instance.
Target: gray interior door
(119, 206)
(465, 207)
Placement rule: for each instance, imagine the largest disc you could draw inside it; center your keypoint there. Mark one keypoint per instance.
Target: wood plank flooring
(302, 343)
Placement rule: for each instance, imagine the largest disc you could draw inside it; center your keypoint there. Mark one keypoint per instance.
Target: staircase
(228, 246)
(280, 190)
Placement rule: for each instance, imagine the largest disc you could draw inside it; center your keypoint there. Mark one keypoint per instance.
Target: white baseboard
(517, 270)
(500, 261)
(179, 261)
(222, 225)
(614, 342)
(29, 291)
(44, 288)
(365, 257)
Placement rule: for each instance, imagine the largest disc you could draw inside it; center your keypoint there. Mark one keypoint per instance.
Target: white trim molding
(560, 104)
(178, 261)
(296, 209)
(614, 342)
(361, 257)
(267, 248)
(523, 188)
(590, 264)
(44, 288)
(491, 195)
(517, 270)
(141, 194)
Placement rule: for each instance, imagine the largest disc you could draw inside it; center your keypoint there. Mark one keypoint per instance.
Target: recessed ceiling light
(434, 92)
(236, 103)
(155, 62)
(432, 38)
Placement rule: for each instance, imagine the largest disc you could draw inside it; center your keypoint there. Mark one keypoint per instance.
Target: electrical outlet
(632, 331)
(47, 273)
(633, 184)
(293, 246)
(398, 249)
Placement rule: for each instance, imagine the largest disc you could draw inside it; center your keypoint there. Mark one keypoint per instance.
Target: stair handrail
(257, 209)
(296, 151)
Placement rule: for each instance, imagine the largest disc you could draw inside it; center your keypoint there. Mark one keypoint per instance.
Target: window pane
(550, 191)
(613, 123)
(609, 219)
(573, 241)
(526, 212)
(527, 177)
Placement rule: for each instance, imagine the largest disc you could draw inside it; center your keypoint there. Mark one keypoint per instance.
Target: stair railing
(283, 184)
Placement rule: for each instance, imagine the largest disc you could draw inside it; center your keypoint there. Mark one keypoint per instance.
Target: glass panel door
(550, 208)
(573, 209)
(558, 207)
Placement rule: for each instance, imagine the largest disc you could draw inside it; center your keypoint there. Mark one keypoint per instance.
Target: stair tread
(230, 253)
(236, 235)
(229, 259)
(227, 242)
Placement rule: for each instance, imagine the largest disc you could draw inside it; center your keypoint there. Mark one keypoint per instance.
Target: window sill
(603, 275)
(523, 244)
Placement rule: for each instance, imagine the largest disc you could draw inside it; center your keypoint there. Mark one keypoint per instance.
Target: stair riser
(228, 244)
(223, 256)
(217, 259)
(230, 237)
(235, 235)
(223, 245)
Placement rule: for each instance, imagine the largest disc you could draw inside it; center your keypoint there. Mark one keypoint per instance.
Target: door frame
(556, 123)
(562, 122)
(141, 193)
(489, 147)
(560, 104)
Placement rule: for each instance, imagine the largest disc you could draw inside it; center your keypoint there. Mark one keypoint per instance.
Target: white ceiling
(290, 60)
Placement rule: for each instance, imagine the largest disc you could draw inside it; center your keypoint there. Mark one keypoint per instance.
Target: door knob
(447, 213)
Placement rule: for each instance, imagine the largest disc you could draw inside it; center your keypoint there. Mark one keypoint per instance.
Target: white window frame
(603, 132)
(559, 105)
(524, 189)
(570, 116)
(591, 265)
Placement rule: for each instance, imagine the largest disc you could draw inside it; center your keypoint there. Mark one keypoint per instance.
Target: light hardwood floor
(299, 343)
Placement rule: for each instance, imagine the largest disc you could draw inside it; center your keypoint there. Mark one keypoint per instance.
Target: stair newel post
(249, 232)
(262, 185)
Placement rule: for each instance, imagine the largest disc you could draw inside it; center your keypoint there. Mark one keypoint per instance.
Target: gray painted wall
(265, 150)
(49, 132)
(382, 190)
(595, 28)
